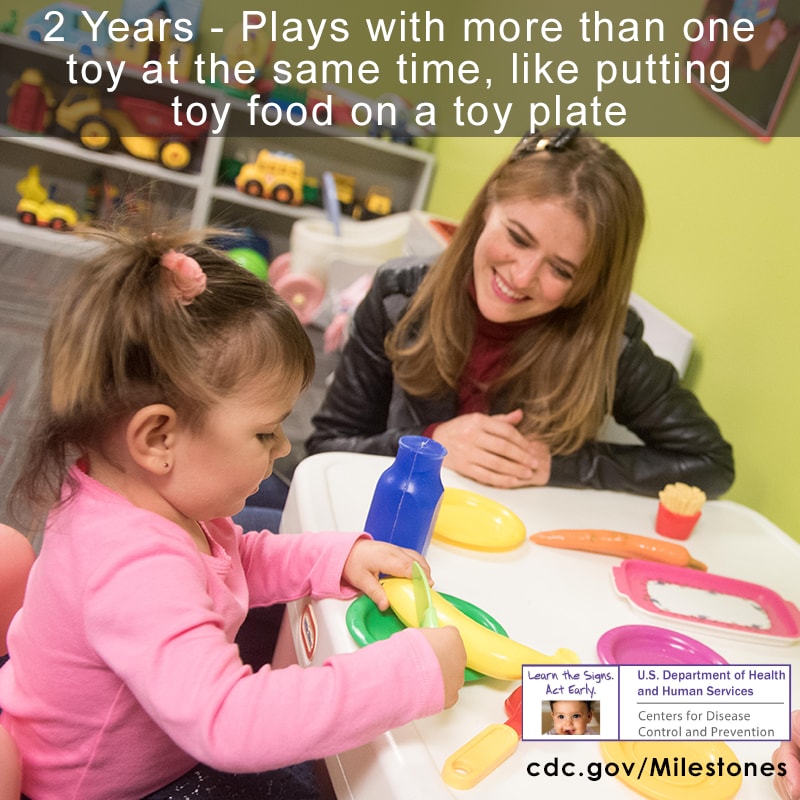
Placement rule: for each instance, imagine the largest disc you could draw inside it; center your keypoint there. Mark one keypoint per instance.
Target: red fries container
(675, 526)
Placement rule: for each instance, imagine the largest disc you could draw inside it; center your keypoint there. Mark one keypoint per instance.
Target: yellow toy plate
(470, 520)
(673, 754)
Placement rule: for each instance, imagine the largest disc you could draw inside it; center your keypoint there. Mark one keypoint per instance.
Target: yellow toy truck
(36, 208)
(274, 175)
(144, 128)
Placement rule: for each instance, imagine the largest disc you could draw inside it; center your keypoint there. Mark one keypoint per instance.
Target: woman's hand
(788, 785)
(491, 450)
(369, 559)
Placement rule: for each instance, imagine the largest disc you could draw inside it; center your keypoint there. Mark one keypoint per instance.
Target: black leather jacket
(366, 411)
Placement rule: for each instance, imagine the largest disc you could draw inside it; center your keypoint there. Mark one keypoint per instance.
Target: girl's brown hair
(562, 374)
(119, 341)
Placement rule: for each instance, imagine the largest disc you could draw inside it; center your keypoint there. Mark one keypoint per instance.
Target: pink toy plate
(715, 603)
(648, 644)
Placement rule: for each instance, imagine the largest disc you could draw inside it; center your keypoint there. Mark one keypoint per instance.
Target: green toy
(251, 260)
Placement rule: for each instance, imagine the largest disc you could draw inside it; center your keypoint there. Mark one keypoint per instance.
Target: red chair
(10, 767)
(16, 560)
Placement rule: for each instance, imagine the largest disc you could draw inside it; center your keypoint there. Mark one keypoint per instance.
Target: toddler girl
(167, 373)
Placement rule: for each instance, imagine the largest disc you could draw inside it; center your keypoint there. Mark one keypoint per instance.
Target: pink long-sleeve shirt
(124, 672)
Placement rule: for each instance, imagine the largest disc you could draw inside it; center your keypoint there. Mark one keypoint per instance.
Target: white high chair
(668, 340)
(666, 337)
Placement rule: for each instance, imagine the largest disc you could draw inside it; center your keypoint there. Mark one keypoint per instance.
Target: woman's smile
(504, 291)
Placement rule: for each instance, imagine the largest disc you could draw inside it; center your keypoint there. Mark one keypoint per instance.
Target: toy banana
(488, 652)
(616, 543)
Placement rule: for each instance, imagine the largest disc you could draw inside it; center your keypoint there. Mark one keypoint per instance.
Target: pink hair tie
(188, 278)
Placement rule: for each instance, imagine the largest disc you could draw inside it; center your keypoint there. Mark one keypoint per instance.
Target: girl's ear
(150, 436)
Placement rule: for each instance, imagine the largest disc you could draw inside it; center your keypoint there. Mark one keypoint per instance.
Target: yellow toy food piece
(680, 498)
(488, 652)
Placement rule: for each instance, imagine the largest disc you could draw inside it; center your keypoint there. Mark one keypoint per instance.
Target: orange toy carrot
(622, 545)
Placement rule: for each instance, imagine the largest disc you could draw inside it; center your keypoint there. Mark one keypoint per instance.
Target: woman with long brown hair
(513, 347)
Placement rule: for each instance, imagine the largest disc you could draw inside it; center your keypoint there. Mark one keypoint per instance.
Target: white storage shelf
(196, 194)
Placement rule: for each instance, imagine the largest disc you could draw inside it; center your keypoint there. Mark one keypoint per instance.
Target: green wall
(720, 257)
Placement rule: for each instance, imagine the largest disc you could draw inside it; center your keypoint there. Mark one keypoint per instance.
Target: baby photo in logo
(570, 718)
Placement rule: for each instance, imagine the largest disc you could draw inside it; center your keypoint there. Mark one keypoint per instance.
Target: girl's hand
(788, 786)
(369, 559)
(491, 450)
(449, 648)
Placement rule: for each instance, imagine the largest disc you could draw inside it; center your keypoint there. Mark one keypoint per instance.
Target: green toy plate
(368, 624)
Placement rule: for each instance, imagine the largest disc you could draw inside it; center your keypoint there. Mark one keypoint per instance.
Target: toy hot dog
(622, 545)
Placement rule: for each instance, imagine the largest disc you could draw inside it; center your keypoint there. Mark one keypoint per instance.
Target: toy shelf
(203, 194)
(233, 197)
(113, 160)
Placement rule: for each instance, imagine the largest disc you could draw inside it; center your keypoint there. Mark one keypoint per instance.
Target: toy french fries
(679, 508)
(680, 498)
